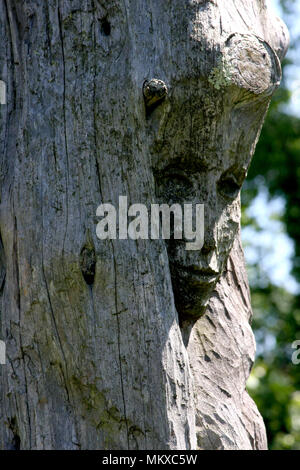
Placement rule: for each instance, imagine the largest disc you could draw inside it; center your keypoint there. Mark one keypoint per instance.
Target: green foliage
(275, 381)
(277, 161)
(277, 312)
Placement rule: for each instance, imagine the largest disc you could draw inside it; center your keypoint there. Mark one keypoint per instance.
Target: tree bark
(109, 343)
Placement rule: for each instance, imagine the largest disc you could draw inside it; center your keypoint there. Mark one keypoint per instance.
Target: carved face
(203, 147)
(195, 273)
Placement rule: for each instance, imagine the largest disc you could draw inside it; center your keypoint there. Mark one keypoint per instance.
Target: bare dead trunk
(122, 344)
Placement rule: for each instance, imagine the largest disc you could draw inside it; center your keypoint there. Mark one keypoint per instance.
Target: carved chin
(192, 292)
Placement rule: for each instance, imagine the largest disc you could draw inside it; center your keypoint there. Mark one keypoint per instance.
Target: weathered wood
(221, 350)
(105, 347)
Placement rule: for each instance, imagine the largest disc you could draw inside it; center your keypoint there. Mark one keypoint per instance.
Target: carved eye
(228, 186)
(174, 186)
(178, 180)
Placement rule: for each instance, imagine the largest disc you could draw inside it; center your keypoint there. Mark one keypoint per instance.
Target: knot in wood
(154, 91)
(88, 263)
(252, 64)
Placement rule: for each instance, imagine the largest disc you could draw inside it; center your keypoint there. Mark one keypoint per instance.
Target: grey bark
(122, 344)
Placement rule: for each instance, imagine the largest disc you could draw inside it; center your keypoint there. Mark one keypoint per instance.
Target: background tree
(275, 382)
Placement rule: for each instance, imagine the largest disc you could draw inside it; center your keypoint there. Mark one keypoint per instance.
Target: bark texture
(221, 349)
(122, 344)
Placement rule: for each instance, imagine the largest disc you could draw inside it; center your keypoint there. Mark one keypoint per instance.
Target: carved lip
(198, 274)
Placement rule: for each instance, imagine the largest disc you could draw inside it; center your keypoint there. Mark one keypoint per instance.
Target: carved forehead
(222, 86)
(239, 16)
(211, 22)
(202, 129)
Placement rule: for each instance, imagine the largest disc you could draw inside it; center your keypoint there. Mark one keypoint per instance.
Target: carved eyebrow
(174, 171)
(186, 165)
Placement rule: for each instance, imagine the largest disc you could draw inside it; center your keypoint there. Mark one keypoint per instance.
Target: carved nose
(209, 243)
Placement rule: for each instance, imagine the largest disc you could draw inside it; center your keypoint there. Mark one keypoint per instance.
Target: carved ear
(252, 64)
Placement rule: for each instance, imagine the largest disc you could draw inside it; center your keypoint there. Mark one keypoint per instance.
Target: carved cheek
(252, 64)
(226, 228)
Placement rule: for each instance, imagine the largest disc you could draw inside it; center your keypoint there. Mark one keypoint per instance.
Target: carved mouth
(197, 275)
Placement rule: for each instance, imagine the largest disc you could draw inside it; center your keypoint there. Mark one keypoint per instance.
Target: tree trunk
(117, 344)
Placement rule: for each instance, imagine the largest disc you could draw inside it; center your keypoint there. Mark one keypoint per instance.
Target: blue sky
(292, 73)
